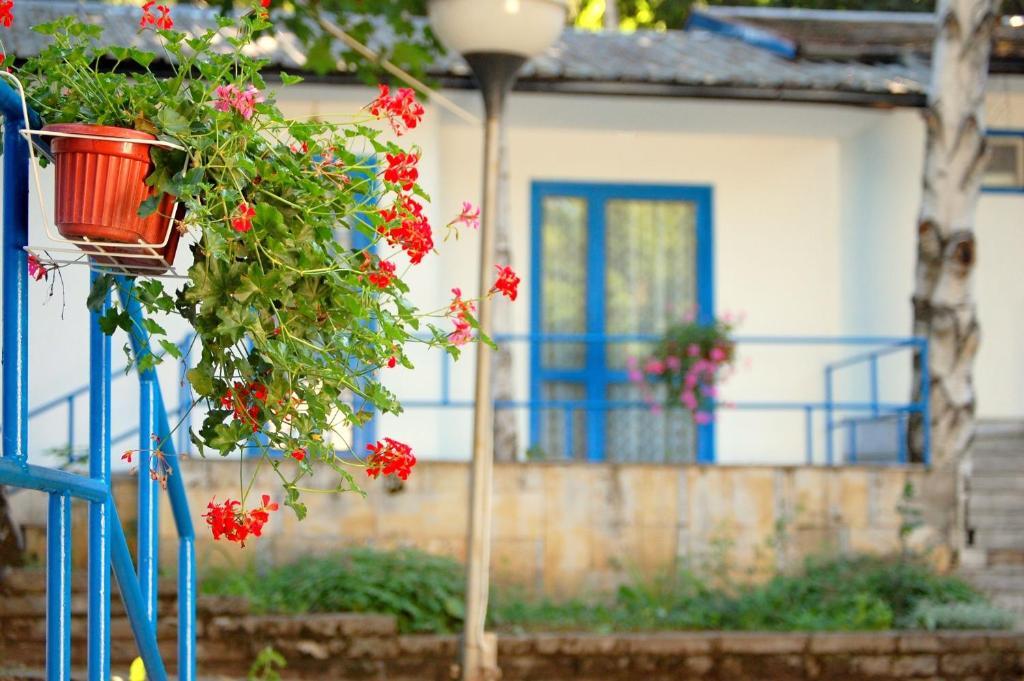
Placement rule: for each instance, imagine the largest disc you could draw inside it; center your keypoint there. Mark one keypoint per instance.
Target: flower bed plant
(424, 592)
(293, 326)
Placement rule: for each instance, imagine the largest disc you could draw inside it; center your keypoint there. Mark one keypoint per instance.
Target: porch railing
(834, 428)
(846, 415)
(107, 546)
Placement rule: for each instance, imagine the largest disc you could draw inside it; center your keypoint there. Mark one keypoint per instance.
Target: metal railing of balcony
(842, 418)
(872, 406)
(107, 546)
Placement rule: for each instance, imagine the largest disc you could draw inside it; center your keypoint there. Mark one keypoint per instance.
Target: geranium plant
(293, 326)
(690, 362)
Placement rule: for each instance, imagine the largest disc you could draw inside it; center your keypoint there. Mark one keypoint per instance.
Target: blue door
(612, 266)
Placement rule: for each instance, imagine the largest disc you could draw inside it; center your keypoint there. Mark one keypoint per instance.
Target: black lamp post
(496, 37)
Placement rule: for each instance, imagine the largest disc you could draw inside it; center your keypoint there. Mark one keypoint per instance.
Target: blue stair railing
(108, 547)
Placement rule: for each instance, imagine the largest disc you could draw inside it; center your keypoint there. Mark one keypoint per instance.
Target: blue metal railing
(873, 406)
(108, 547)
(879, 411)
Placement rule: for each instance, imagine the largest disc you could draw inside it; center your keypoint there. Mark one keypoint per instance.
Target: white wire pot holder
(135, 257)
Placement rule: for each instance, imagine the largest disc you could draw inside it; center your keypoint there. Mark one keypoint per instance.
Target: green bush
(846, 594)
(932, 616)
(422, 591)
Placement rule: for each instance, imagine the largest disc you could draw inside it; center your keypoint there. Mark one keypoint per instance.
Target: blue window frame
(591, 375)
(1004, 172)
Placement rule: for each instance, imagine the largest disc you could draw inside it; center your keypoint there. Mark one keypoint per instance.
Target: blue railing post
(901, 438)
(99, 512)
(926, 403)
(15, 279)
(151, 440)
(873, 369)
(71, 429)
(149, 495)
(809, 435)
(829, 425)
(184, 397)
(58, 588)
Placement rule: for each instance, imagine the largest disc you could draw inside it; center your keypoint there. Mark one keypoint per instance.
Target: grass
(424, 593)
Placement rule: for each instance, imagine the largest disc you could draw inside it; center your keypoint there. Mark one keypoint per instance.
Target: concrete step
(994, 429)
(998, 464)
(1007, 571)
(1011, 602)
(990, 538)
(1009, 450)
(996, 500)
(993, 483)
(995, 520)
(1006, 584)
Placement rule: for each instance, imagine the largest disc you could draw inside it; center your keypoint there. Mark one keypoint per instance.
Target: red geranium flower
(36, 269)
(413, 234)
(6, 13)
(230, 521)
(164, 21)
(400, 109)
(507, 283)
(390, 457)
(384, 274)
(246, 402)
(242, 222)
(402, 169)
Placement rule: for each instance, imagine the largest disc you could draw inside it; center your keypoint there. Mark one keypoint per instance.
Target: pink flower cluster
(691, 362)
(243, 101)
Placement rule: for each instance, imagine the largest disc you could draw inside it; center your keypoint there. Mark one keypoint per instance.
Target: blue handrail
(108, 548)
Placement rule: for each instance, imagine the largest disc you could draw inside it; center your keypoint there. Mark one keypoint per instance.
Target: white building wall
(814, 214)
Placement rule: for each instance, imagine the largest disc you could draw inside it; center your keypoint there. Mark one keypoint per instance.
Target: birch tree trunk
(955, 153)
(611, 15)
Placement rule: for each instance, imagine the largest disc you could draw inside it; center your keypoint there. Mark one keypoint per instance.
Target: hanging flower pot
(100, 185)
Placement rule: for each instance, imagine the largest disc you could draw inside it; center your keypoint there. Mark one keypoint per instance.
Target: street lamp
(495, 37)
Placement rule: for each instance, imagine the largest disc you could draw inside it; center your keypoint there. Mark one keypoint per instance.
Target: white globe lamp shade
(524, 28)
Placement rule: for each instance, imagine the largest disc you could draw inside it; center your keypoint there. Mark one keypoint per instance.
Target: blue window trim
(1004, 132)
(596, 194)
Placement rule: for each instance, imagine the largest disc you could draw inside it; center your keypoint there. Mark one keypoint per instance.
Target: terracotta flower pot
(100, 185)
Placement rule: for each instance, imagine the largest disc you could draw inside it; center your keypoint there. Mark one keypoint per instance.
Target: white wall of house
(814, 214)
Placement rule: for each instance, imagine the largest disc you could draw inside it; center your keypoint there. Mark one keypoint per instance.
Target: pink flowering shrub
(690, 361)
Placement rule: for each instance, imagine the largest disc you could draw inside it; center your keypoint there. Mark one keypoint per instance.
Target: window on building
(1004, 171)
(613, 262)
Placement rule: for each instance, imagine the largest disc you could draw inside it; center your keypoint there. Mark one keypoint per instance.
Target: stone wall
(572, 528)
(577, 528)
(368, 648)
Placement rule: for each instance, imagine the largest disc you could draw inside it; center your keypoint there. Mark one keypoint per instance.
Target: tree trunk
(955, 153)
(506, 432)
(611, 15)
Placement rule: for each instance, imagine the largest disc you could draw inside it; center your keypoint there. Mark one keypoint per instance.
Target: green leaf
(202, 380)
(141, 57)
(152, 327)
(98, 293)
(149, 206)
(109, 321)
(172, 121)
(170, 348)
(288, 79)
